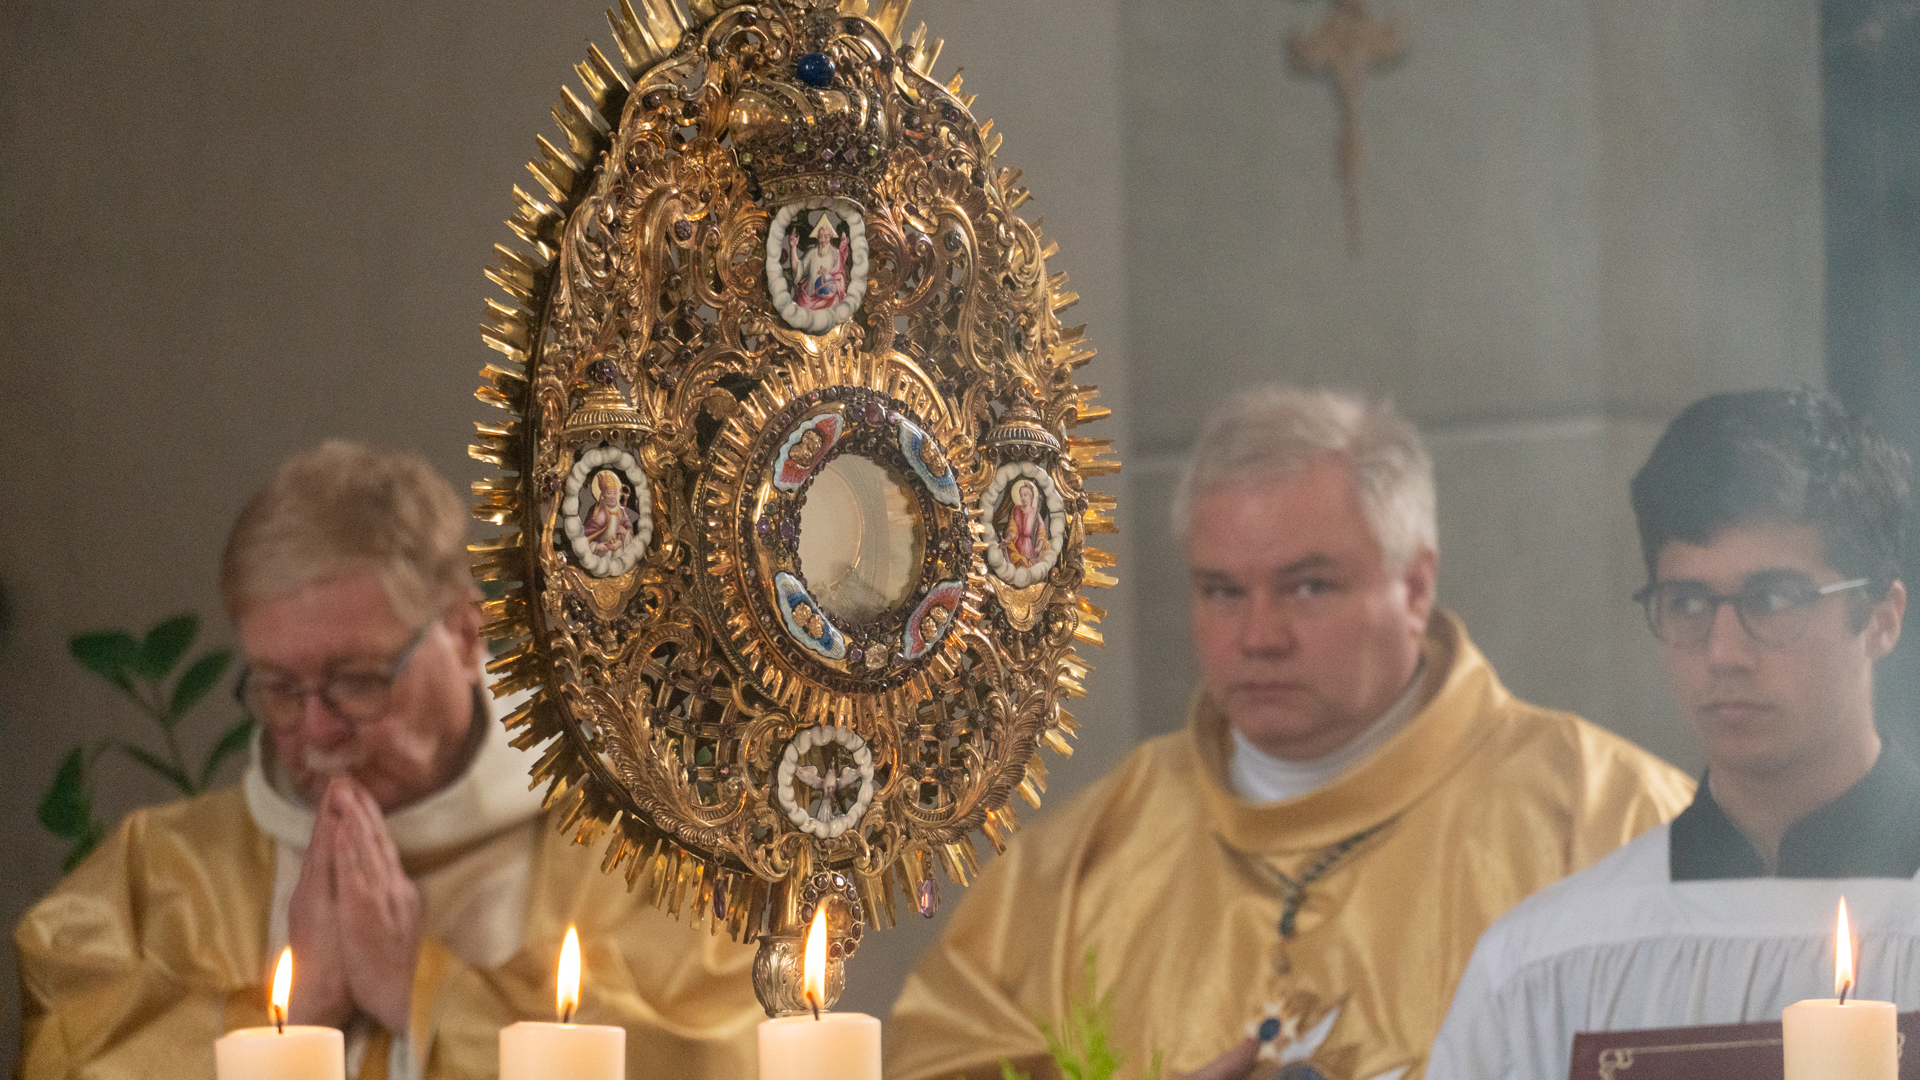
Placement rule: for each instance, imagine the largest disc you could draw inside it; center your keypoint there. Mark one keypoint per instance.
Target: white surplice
(1622, 947)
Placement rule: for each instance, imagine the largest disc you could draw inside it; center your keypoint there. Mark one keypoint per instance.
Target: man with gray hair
(384, 830)
(1293, 883)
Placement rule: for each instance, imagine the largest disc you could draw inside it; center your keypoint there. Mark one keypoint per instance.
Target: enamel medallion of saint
(817, 263)
(607, 512)
(1026, 522)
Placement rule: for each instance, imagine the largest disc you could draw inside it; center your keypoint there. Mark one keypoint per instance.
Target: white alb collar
(1260, 777)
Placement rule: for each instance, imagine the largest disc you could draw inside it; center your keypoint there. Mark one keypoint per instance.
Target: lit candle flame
(1843, 957)
(813, 968)
(282, 990)
(567, 994)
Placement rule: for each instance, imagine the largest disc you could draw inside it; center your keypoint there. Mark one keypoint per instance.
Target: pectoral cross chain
(1293, 890)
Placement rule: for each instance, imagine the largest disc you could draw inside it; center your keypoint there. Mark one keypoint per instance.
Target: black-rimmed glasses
(356, 697)
(1774, 609)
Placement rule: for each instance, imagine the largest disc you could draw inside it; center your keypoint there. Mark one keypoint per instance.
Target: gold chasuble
(156, 945)
(1181, 888)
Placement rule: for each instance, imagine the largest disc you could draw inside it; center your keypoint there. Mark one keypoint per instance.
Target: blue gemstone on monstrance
(814, 69)
(1269, 1029)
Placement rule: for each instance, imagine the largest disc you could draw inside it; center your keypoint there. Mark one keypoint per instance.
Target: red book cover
(1716, 1052)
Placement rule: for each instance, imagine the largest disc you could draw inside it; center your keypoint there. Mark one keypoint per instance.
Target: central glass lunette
(861, 539)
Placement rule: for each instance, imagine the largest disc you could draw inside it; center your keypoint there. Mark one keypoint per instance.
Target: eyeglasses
(356, 697)
(1774, 611)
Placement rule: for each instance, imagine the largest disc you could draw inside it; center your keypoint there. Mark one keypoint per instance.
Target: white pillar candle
(1826, 1040)
(530, 1050)
(1838, 1038)
(838, 1046)
(295, 1052)
(819, 1045)
(283, 1051)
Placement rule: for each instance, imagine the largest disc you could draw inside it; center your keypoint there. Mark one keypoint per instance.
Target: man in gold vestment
(1291, 885)
(384, 830)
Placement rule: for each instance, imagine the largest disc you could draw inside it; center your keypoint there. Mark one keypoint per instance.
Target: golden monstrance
(797, 535)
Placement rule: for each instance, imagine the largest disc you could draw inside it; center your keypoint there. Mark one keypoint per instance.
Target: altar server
(1773, 525)
(1296, 878)
(384, 829)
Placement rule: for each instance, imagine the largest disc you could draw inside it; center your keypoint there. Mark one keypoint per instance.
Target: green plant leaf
(106, 653)
(165, 644)
(67, 808)
(1082, 1047)
(160, 765)
(195, 682)
(232, 742)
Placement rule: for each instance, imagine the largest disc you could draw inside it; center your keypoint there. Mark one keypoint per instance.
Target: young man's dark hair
(1791, 456)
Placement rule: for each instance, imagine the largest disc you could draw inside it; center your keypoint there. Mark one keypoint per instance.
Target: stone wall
(1578, 217)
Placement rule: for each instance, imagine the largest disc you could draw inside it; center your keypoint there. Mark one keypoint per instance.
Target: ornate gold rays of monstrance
(800, 535)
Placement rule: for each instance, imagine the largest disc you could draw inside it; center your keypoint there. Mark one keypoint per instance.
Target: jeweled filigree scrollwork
(801, 532)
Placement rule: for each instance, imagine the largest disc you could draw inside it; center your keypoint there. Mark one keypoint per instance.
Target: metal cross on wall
(1348, 42)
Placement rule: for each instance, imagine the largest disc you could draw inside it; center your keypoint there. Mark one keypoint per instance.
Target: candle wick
(280, 1021)
(1844, 987)
(814, 1004)
(567, 1017)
